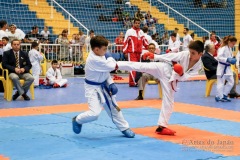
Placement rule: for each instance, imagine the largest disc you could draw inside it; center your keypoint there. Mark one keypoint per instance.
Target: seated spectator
(148, 14)
(138, 14)
(13, 34)
(22, 34)
(153, 29)
(98, 5)
(127, 23)
(54, 77)
(45, 33)
(119, 1)
(197, 3)
(118, 12)
(33, 36)
(210, 67)
(212, 4)
(18, 65)
(145, 76)
(6, 45)
(148, 21)
(102, 18)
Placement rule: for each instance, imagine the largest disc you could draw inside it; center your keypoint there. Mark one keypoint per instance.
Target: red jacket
(119, 41)
(134, 41)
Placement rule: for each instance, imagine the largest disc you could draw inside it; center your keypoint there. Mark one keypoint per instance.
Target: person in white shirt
(13, 34)
(147, 37)
(35, 58)
(87, 40)
(54, 76)
(145, 31)
(177, 36)
(3, 26)
(22, 34)
(157, 50)
(6, 46)
(175, 45)
(45, 33)
(186, 39)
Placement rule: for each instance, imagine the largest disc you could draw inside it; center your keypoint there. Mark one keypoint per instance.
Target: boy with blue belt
(100, 88)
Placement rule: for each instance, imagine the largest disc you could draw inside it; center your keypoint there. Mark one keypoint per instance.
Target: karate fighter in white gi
(35, 58)
(224, 73)
(174, 46)
(100, 89)
(54, 76)
(168, 73)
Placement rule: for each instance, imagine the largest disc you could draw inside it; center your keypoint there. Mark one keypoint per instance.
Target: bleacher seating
(87, 13)
(208, 18)
(13, 11)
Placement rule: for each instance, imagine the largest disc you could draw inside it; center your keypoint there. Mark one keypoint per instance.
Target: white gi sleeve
(221, 57)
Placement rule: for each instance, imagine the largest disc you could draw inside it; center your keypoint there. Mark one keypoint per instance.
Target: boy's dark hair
(173, 34)
(91, 31)
(2, 23)
(34, 44)
(145, 29)
(197, 46)
(214, 32)
(6, 38)
(98, 41)
(34, 27)
(152, 44)
(153, 36)
(186, 29)
(54, 61)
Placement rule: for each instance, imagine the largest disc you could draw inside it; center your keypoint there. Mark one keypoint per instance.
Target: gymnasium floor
(40, 129)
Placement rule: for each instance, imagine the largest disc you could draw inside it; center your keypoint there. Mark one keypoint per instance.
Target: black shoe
(234, 95)
(15, 96)
(26, 98)
(139, 98)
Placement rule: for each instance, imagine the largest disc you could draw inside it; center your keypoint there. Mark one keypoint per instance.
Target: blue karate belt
(104, 87)
(225, 68)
